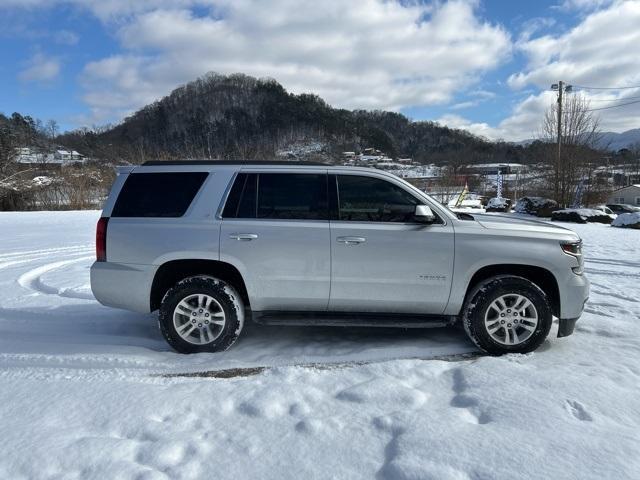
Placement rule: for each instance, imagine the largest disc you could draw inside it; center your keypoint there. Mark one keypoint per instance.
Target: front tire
(201, 314)
(507, 314)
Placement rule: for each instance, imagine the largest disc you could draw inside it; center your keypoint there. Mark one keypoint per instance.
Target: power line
(612, 106)
(611, 99)
(605, 88)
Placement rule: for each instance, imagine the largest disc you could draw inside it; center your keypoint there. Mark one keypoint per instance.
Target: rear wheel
(507, 314)
(201, 314)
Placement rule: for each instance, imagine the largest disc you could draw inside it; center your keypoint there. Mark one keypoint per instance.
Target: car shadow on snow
(90, 328)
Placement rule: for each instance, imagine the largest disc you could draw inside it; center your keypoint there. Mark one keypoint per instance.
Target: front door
(382, 260)
(275, 230)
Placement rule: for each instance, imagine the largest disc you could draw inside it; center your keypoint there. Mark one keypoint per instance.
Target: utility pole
(560, 87)
(558, 163)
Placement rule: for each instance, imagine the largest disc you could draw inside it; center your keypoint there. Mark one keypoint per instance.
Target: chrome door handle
(351, 240)
(243, 237)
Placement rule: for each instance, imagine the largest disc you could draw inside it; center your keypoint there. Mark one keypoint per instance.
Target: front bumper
(566, 326)
(574, 293)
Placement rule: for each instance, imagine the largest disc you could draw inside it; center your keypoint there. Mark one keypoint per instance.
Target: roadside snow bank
(581, 215)
(538, 206)
(627, 220)
(498, 204)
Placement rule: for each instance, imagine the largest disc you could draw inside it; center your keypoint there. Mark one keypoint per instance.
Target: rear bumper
(122, 285)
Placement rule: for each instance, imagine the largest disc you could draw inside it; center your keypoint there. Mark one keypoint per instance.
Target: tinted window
(241, 202)
(247, 206)
(233, 199)
(158, 194)
(366, 199)
(292, 196)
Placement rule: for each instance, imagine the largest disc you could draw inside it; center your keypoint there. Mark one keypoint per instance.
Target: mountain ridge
(238, 116)
(610, 141)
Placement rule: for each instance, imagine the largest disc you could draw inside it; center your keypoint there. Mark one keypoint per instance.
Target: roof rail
(156, 163)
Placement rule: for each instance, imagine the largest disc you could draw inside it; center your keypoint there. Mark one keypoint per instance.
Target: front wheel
(507, 314)
(201, 314)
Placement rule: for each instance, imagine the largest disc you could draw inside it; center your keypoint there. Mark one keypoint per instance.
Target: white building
(629, 195)
(32, 156)
(64, 156)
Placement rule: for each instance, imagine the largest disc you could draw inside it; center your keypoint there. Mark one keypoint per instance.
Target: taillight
(101, 239)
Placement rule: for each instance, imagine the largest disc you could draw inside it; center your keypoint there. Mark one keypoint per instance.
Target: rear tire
(507, 314)
(201, 314)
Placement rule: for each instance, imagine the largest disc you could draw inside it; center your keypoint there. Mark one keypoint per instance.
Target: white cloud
(66, 37)
(598, 52)
(583, 5)
(40, 68)
(464, 105)
(368, 54)
(481, 129)
(534, 25)
(523, 123)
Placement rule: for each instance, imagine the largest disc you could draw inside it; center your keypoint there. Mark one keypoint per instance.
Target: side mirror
(424, 214)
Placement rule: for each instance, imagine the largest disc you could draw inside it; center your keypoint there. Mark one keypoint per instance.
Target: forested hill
(238, 116)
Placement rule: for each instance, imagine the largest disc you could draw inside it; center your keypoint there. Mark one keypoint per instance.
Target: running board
(349, 319)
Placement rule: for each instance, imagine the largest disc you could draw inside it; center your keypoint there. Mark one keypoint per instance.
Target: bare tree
(8, 146)
(51, 129)
(579, 137)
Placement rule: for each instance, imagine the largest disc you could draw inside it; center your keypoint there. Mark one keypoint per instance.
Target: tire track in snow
(18, 258)
(256, 370)
(32, 279)
(613, 273)
(43, 251)
(612, 262)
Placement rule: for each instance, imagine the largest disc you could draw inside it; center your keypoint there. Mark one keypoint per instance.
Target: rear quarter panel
(154, 241)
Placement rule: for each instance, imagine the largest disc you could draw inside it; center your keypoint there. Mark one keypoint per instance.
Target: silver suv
(211, 244)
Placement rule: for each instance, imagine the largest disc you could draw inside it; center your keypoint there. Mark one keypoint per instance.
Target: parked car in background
(607, 210)
(619, 208)
(210, 244)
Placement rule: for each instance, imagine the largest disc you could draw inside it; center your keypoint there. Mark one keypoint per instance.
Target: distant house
(65, 156)
(629, 195)
(373, 158)
(37, 158)
(493, 168)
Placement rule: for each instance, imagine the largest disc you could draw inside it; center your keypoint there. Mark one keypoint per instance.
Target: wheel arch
(539, 276)
(171, 272)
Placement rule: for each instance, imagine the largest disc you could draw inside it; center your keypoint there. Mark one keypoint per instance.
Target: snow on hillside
(84, 391)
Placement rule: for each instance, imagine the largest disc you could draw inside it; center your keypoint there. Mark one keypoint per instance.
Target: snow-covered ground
(84, 391)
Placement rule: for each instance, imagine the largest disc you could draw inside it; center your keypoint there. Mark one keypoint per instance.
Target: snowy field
(84, 391)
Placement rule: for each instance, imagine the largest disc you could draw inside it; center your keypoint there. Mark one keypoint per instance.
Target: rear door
(275, 230)
(382, 259)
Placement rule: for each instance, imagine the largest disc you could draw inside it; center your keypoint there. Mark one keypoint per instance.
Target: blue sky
(483, 65)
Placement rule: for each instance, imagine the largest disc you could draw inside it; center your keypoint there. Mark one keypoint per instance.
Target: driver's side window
(368, 199)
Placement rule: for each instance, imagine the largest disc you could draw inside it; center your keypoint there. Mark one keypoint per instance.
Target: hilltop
(238, 116)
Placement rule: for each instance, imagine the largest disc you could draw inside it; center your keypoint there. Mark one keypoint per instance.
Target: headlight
(574, 248)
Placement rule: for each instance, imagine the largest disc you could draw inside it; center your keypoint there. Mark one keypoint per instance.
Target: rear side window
(284, 196)
(241, 202)
(235, 194)
(293, 196)
(158, 194)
